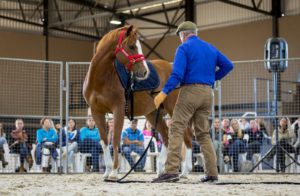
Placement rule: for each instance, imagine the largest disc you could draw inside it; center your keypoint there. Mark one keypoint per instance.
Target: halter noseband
(132, 58)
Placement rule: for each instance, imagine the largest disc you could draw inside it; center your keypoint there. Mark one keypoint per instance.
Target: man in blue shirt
(46, 138)
(133, 141)
(89, 142)
(197, 65)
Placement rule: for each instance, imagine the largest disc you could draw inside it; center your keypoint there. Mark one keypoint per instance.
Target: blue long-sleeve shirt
(195, 63)
(86, 133)
(46, 136)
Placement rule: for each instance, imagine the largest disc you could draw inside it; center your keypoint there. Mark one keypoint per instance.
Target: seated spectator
(89, 142)
(255, 139)
(244, 124)
(236, 143)
(2, 142)
(133, 141)
(218, 144)
(18, 144)
(262, 127)
(46, 138)
(226, 132)
(147, 132)
(285, 138)
(73, 136)
(296, 143)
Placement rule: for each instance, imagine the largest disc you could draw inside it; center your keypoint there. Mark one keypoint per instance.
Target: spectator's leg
(234, 152)
(54, 153)
(39, 154)
(281, 157)
(95, 151)
(23, 154)
(127, 151)
(111, 150)
(72, 148)
(251, 149)
(139, 150)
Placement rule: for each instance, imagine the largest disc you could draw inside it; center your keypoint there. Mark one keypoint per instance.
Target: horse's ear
(129, 30)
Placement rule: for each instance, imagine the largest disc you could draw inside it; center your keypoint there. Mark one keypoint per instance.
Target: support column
(190, 13)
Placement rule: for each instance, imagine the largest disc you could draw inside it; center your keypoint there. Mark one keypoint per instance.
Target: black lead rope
(121, 180)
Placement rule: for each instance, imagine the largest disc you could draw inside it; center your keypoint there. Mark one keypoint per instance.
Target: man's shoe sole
(167, 180)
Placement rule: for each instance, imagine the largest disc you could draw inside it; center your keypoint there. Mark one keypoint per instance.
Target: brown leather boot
(22, 169)
(29, 161)
(45, 170)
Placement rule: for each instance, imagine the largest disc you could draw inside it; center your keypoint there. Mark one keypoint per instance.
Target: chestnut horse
(104, 93)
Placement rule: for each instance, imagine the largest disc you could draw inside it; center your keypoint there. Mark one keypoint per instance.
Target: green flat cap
(185, 26)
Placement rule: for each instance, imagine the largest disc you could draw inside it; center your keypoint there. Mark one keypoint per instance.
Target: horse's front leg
(101, 124)
(118, 126)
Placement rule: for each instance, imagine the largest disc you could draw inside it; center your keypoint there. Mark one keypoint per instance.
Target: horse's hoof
(183, 176)
(112, 178)
(106, 174)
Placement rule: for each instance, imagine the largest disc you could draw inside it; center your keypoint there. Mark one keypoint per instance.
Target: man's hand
(159, 99)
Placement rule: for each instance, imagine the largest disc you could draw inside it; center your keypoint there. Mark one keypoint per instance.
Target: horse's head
(129, 53)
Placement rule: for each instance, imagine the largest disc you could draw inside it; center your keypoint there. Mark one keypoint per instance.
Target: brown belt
(196, 84)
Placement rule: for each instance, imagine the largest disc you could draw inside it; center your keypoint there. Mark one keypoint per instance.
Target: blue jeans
(253, 147)
(2, 141)
(238, 146)
(39, 153)
(94, 148)
(127, 149)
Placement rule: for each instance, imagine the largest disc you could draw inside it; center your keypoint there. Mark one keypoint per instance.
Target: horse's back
(163, 68)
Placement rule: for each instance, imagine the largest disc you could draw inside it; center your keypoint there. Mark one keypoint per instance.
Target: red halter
(132, 58)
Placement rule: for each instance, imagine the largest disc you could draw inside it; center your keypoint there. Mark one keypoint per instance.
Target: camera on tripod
(276, 54)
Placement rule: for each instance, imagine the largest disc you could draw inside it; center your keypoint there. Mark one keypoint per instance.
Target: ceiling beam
(114, 11)
(246, 7)
(53, 28)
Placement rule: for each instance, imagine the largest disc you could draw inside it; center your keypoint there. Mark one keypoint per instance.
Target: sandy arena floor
(92, 184)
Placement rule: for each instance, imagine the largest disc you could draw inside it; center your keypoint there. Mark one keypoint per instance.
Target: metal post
(220, 118)
(275, 83)
(190, 10)
(61, 110)
(255, 94)
(46, 73)
(268, 97)
(67, 109)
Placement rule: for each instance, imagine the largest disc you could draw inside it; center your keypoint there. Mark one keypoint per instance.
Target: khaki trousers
(193, 106)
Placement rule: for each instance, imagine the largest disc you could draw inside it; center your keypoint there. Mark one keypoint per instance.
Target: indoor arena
(149, 97)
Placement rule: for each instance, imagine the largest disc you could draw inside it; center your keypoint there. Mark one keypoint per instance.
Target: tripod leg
(262, 159)
(291, 157)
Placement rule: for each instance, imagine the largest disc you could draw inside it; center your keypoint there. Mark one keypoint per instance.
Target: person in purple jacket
(197, 65)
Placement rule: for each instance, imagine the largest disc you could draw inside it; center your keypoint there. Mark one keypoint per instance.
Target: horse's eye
(131, 47)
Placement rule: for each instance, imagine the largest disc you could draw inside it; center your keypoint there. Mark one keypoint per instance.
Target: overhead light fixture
(115, 21)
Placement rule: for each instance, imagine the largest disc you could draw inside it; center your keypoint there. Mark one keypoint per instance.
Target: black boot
(2, 158)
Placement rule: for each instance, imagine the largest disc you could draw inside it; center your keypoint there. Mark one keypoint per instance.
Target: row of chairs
(79, 161)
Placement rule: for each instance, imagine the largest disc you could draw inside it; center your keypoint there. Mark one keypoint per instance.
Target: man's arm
(225, 66)
(178, 71)
(128, 142)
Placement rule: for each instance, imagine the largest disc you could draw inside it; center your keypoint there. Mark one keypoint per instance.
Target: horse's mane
(110, 36)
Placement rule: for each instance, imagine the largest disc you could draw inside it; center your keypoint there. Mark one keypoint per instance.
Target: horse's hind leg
(186, 163)
(162, 128)
(100, 122)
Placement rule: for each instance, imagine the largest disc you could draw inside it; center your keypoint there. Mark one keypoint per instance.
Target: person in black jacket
(255, 139)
